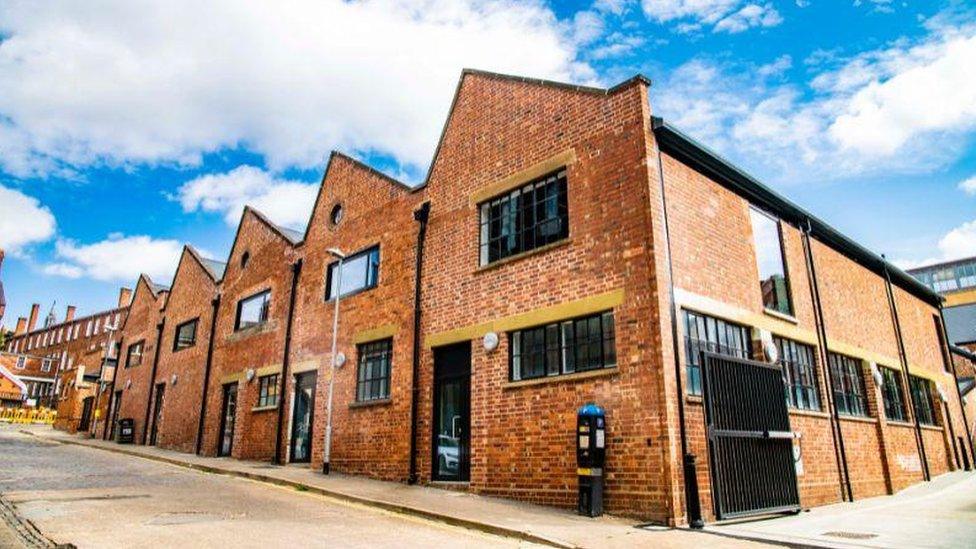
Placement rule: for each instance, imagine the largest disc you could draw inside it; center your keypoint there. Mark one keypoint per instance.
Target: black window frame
(799, 363)
(893, 395)
(176, 334)
(787, 289)
(527, 231)
(922, 390)
(536, 343)
(141, 345)
(694, 346)
(373, 271)
(268, 386)
(848, 385)
(374, 370)
(265, 309)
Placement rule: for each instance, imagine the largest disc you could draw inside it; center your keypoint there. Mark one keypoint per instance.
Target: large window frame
(893, 394)
(720, 336)
(268, 390)
(776, 298)
(531, 216)
(180, 341)
(374, 370)
(137, 350)
(799, 364)
(581, 344)
(922, 390)
(370, 273)
(264, 312)
(850, 393)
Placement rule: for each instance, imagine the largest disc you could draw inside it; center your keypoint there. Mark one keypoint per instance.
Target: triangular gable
(13, 378)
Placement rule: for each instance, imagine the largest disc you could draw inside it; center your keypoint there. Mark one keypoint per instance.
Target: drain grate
(850, 535)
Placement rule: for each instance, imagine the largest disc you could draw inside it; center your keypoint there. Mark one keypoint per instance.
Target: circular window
(244, 258)
(336, 215)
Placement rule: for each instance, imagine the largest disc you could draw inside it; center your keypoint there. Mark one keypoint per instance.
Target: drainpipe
(836, 432)
(296, 270)
(688, 460)
(421, 216)
(905, 373)
(962, 408)
(152, 378)
(215, 306)
(111, 391)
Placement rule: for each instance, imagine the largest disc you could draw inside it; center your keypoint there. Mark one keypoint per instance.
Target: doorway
(157, 413)
(227, 419)
(303, 411)
(86, 413)
(114, 416)
(452, 412)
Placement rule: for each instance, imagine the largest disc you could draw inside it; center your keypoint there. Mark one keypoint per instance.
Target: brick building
(28, 381)
(79, 349)
(566, 247)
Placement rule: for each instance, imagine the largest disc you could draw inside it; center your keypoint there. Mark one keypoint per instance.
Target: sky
(128, 128)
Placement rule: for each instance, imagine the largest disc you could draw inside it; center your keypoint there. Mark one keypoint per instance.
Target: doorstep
(532, 523)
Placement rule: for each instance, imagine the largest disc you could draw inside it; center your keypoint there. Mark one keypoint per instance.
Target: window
(922, 396)
(848, 384)
(336, 215)
(891, 391)
(88, 328)
(359, 272)
(21, 362)
(186, 335)
(531, 216)
(253, 310)
(268, 391)
(133, 356)
(704, 333)
(245, 257)
(799, 374)
(565, 347)
(373, 373)
(772, 269)
(46, 365)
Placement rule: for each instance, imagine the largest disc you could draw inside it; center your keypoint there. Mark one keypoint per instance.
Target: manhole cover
(850, 535)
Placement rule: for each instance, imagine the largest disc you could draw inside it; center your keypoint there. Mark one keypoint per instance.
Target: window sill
(931, 427)
(898, 423)
(350, 294)
(513, 258)
(694, 399)
(782, 316)
(185, 348)
(264, 408)
(577, 376)
(371, 403)
(808, 413)
(857, 419)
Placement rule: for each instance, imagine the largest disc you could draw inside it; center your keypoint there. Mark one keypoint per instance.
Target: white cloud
(903, 108)
(732, 16)
(587, 27)
(23, 220)
(117, 258)
(130, 83)
(286, 202)
(958, 243)
(968, 186)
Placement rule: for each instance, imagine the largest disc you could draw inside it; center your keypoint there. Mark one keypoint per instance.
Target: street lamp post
(332, 367)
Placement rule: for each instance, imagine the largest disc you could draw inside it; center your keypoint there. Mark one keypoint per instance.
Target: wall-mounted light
(490, 341)
(876, 374)
(770, 351)
(340, 359)
(249, 375)
(128, 383)
(172, 380)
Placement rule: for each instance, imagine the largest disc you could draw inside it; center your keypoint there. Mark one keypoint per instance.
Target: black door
(157, 413)
(452, 411)
(114, 416)
(86, 412)
(749, 438)
(227, 418)
(303, 411)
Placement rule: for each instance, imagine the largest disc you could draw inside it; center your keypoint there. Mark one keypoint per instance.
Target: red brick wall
(135, 382)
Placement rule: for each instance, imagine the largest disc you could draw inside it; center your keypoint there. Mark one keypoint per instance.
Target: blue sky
(130, 129)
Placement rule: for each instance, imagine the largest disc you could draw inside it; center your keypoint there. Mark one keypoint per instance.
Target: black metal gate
(749, 438)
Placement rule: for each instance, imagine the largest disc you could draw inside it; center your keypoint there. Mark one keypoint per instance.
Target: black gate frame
(713, 434)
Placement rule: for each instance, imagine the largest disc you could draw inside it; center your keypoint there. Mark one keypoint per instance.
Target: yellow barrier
(28, 415)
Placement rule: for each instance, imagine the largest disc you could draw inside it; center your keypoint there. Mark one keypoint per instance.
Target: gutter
(296, 271)
(215, 306)
(422, 216)
(152, 378)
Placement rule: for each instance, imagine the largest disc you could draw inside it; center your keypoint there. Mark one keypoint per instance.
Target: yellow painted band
(550, 164)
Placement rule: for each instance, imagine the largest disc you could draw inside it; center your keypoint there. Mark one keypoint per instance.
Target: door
(749, 438)
(157, 413)
(86, 412)
(227, 419)
(303, 410)
(114, 416)
(452, 411)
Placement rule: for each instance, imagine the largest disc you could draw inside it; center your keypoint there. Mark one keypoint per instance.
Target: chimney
(32, 321)
(125, 297)
(21, 326)
(70, 314)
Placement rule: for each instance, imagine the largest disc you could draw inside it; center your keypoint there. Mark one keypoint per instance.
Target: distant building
(956, 282)
(3, 300)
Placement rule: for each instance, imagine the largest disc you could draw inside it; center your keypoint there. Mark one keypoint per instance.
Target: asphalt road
(93, 498)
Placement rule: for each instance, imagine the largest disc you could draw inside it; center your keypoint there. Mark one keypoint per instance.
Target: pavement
(94, 494)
